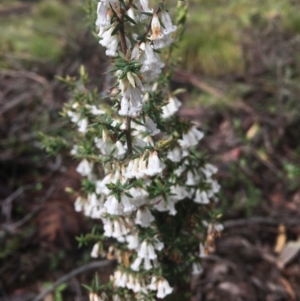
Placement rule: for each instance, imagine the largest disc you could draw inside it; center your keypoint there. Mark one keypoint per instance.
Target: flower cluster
(142, 174)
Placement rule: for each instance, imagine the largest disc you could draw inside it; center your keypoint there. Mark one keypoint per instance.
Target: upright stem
(128, 135)
(124, 50)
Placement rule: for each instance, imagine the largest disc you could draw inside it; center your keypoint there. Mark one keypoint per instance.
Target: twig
(16, 194)
(31, 75)
(272, 221)
(182, 76)
(73, 273)
(15, 102)
(128, 135)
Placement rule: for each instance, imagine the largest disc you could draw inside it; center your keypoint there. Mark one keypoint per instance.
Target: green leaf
(116, 29)
(130, 19)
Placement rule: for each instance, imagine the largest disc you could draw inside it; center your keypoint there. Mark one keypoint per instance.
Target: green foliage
(42, 34)
(212, 42)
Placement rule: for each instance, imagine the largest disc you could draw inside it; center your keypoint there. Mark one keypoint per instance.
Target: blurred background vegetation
(239, 63)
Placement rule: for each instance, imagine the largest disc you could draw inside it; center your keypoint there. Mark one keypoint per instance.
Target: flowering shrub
(143, 176)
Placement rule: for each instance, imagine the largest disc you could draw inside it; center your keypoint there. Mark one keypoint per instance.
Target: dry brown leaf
(288, 253)
(281, 239)
(254, 129)
(288, 288)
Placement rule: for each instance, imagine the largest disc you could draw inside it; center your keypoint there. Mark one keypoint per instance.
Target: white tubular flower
(120, 278)
(168, 205)
(201, 197)
(132, 168)
(127, 206)
(174, 154)
(149, 141)
(108, 227)
(82, 125)
(153, 284)
(165, 41)
(179, 192)
(130, 283)
(209, 170)
(191, 179)
(142, 168)
(113, 47)
(144, 217)
(135, 266)
(144, 4)
(109, 41)
(168, 25)
(84, 168)
(95, 250)
(95, 111)
(171, 108)
(94, 297)
(147, 250)
(155, 166)
(103, 16)
(140, 196)
(147, 264)
(163, 288)
(215, 187)
(191, 138)
(113, 206)
(119, 229)
(158, 245)
(120, 150)
(131, 103)
(156, 28)
(133, 241)
(75, 117)
(79, 203)
(152, 127)
(152, 65)
(102, 145)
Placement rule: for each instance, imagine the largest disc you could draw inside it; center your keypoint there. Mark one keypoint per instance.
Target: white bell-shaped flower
(191, 138)
(172, 107)
(82, 125)
(165, 41)
(201, 197)
(144, 217)
(84, 168)
(113, 206)
(135, 266)
(155, 166)
(147, 264)
(79, 203)
(95, 250)
(168, 25)
(152, 127)
(156, 28)
(147, 250)
(133, 241)
(103, 16)
(174, 154)
(163, 288)
(191, 178)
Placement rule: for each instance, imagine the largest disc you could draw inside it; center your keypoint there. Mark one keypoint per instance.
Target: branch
(128, 135)
(261, 220)
(73, 273)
